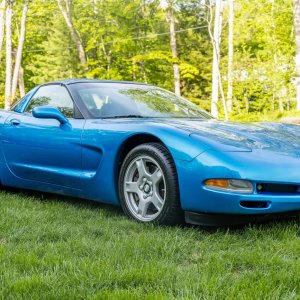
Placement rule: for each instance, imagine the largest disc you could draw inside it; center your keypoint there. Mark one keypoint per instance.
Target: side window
(20, 105)
(53, 95)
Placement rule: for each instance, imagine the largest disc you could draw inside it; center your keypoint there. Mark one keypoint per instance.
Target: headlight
(230, 185)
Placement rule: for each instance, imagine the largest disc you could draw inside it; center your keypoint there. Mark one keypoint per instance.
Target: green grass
(54, 247)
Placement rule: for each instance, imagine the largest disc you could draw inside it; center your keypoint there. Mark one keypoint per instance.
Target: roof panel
(79, 80)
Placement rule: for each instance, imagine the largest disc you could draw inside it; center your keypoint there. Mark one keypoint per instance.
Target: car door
(43, 150)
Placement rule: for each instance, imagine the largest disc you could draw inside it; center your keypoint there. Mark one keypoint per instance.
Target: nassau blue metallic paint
(46, 112)
(80, 157)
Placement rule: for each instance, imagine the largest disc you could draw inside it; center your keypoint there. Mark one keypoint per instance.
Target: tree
(66, 10)
(216, 56)
(171, 20)
(264, 49)
(297, 38)
(21, 82)
(18, 59)
(132, 41)
(54, 65)
(230, 54)
(8, 72)
(195, 52)
(216, 73)
(2, 22)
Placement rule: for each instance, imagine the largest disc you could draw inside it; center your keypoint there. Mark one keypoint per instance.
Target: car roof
(83, 80)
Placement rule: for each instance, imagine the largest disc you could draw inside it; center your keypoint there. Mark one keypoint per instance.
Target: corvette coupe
(160, 157)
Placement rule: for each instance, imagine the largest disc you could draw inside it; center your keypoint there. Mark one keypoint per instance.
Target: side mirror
(48, 112)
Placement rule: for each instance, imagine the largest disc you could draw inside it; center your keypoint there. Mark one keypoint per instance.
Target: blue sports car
(160, 157)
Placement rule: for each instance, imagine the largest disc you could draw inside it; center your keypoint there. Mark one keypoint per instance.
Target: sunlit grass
(53, 247)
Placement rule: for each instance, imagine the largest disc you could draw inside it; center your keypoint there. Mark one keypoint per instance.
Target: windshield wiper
(123, 116)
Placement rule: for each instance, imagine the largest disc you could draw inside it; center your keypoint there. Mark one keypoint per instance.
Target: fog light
(230, 185)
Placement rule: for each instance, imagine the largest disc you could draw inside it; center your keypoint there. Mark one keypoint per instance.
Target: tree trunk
(2, 21)
(216, 59)
(66, 12)
(21, 82)
(171, 20)
(246, 104)
(277, 91)
(19, 50)
(297, 38)
(281, 108)
(8, 55)
(216, 73)
(107, 56)
(230, 54)
(95, 8)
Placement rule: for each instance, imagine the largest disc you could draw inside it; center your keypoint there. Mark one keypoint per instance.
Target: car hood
(231, 136)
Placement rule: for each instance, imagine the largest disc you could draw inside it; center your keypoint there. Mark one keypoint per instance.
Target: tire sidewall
(166, 168)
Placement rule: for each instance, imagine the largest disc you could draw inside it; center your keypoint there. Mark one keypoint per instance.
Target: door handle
(15, 122)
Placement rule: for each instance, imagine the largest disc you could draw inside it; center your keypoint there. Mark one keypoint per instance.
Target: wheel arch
(175, 212)
(132, 142)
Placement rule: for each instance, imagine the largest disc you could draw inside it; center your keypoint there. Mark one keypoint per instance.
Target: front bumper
(212, 201)
(255, 166)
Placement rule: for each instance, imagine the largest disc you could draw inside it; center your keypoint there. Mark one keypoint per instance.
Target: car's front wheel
(148, 186)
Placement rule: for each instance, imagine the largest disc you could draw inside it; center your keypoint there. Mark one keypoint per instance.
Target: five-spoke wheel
(148, 185)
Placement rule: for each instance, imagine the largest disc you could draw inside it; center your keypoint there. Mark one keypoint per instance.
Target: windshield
(113, 100)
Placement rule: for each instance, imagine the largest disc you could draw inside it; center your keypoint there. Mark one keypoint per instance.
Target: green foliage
(48, 65)
(264, 53)
(267, 116)
(129, 40)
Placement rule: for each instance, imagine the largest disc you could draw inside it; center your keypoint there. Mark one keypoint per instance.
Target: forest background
(238, 59)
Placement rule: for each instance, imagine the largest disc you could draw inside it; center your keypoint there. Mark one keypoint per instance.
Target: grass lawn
(54, 247)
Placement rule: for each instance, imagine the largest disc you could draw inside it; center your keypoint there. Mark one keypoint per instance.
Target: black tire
(171, 213)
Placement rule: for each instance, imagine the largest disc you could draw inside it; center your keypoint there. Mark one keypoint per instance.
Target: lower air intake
(277, 188)
(255, 204)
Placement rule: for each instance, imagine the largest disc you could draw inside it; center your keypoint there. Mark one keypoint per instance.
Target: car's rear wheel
(148, 186)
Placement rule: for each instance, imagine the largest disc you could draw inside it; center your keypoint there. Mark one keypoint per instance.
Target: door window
(55, 96)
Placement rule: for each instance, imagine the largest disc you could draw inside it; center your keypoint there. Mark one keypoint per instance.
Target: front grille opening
(277, 188)
(255, 204)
